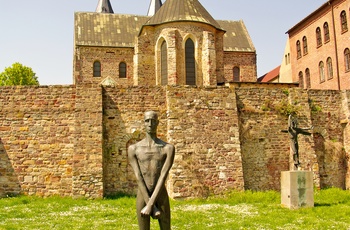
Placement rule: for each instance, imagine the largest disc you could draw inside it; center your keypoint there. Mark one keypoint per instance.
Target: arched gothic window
(190, 62)
(164, 63)
(318, 37)
(236, 74)
(298, 49)
(344, 21)
(305, 45)
(122, 70)
(326, 32)
(329, 68)
(97, 69)
(321, 70)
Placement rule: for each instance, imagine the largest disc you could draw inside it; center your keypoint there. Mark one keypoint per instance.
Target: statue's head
(151, 122)
(293, 122)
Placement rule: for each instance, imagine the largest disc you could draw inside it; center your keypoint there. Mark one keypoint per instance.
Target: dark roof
(120, 30)
(236, 37)
(114, 30)
(182, 10)
(154, 6)
(270, 75)
(104, 6)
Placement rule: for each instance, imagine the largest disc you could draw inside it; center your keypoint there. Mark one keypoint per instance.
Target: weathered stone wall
(265, 148)
(87, 158)
(123, 125)
(72, 140)
(330, 122)
(203, 126)
(37, 135)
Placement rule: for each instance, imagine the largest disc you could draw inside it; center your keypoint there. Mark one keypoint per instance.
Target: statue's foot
(156, 213)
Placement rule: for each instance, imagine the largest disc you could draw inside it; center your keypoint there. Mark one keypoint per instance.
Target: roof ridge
(183, 10)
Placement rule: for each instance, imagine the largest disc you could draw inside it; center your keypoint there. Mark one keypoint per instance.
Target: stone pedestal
(297, 189)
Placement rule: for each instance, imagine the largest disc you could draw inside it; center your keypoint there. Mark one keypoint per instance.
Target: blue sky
(39, 33)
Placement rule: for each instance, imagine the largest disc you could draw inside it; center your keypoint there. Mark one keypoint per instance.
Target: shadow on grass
(119, 196)
(322, 204)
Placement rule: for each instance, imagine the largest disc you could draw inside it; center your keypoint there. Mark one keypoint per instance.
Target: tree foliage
(18, 74)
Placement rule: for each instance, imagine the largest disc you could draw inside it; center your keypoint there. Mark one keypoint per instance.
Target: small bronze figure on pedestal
(293, 132)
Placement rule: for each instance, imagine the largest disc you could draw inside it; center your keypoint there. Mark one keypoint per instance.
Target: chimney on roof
(104, 6)
(154, 7)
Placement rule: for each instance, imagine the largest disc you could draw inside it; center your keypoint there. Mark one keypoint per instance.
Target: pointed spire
(154, 7)
(104, 6)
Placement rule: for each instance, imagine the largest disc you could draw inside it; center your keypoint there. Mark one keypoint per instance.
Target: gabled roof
(182, 10)
(154, 6)
(270, 76)
(120, 30)
(104, 6)
(236, 37)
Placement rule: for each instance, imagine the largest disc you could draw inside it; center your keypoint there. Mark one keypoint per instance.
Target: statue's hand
(146, 211)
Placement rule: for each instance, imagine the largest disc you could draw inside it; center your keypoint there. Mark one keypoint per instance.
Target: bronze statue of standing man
(151, 160)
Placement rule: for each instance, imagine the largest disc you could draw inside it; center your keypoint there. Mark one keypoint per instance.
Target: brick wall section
(345, 124)
(87, 157)
(109, 58)
(203, 126)
(246, 63)
(123, 125)
(328, 134)
(72, 140)
(265, 150)
(37, 137)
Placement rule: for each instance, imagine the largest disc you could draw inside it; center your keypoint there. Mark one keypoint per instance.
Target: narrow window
(97, 69)
(122, 70)
(164, 63)
(329, 68)
(301, 80)
(190, 63)
(307, 78)
(344, 22)
(298, 49)
(318, 37)
(347, 59)
(236, 74)
(326, 32)
(321, 70)
(305, 45)
(286, 59)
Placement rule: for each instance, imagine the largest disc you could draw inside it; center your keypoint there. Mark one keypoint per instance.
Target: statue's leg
(144, 221)
(164, 206)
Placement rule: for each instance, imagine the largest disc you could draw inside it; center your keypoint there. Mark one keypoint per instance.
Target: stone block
(297, 189)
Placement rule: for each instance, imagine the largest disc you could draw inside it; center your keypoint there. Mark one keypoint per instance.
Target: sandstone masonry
(72, 140)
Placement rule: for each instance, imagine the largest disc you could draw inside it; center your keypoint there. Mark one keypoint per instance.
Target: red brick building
(319, 55)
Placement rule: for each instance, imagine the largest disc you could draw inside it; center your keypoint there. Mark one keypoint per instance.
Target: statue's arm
(170, 149)
(135, 166)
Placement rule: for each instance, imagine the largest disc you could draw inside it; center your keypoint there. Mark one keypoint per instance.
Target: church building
(177, 43)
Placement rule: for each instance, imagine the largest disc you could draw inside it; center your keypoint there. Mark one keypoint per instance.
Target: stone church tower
(178, 43)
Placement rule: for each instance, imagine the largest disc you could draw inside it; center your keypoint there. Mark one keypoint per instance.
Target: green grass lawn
(236, 210)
